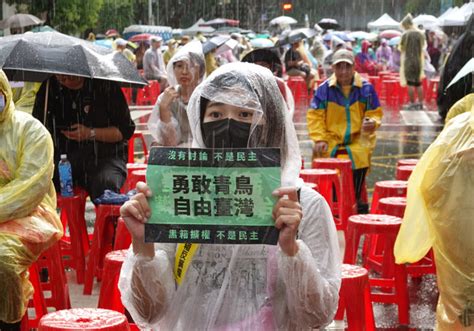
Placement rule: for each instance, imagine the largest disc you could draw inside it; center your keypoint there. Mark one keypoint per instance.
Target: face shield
(247, 86)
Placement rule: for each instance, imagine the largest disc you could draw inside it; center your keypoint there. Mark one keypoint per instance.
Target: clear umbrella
(283, 20)
(20, 21)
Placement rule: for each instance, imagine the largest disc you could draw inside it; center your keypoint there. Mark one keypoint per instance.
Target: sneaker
(410, 106)
(420, 106)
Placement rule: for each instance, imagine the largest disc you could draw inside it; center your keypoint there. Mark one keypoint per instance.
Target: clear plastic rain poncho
(439, 215)
(244, 287)
(28, 220)
(177, 132)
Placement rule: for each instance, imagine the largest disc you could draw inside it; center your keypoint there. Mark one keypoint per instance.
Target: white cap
(63, 156)
(156, 38)
(121, 42)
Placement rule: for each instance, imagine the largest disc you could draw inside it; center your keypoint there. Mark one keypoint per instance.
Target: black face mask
(226, 133)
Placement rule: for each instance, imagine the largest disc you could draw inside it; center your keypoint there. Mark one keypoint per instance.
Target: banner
(212, 195)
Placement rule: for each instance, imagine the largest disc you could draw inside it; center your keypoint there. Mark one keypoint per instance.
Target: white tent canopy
(384, 22)
(428, 21)
(457, 16)
(196, 27)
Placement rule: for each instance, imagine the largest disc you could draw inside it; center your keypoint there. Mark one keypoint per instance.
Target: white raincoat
(243, 287)
(177, 130)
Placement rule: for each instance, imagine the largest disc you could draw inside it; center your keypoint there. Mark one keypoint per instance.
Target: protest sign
(212, 195)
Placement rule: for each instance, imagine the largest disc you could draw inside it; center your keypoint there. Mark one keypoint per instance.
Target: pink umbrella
(140, 37)
(389, 34)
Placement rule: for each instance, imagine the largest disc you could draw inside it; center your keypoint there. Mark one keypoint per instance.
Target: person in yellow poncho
(28, 220)
(411, 48)
(439, 215)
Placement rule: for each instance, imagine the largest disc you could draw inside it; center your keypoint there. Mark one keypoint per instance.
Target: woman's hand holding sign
(136, 213)
(287, 214)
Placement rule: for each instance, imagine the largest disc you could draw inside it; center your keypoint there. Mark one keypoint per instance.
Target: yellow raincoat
(412, 57)
(337, 119)
(29, 223)
(439, 214)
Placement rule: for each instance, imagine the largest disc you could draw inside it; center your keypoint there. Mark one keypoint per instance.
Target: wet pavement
(403, 134)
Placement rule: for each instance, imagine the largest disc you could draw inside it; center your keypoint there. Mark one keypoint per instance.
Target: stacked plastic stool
(86, 319)
(348, 203)
(387, 188)
(403, 172)
(131, 167)
(37, 303)
(392, 276)
(102, 242)
(299, 89)
(354, 299)
(396, 206)
(147, 95)
(109, 297)
(76, 245)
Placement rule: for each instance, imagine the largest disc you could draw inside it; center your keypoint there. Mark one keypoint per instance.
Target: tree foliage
(77, 16)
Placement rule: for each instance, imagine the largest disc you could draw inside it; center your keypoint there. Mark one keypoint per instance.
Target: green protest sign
(212, 195)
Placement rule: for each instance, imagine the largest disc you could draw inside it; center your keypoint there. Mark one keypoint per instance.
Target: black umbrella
(297, 35)
(328, 23)
(214, 43)
(37, 56)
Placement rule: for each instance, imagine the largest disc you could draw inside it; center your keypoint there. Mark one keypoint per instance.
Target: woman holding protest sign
(291, 286)
(168, 123)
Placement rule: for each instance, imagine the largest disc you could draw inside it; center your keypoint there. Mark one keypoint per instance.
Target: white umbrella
(428, 21)
(283, 20)
(466, 70)
(20, 21)
(363, 35)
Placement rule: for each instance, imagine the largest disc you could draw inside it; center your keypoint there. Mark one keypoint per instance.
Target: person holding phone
(344, 108)
(89, 121)
(291, 286)
(168, 122)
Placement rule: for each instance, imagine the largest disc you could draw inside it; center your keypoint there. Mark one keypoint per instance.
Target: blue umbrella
(107, 43)
(394, 41)
(341, 35)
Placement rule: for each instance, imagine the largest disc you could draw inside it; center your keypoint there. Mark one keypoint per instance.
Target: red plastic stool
(37, 303)
(137, 176)
(130, 168)
(344, 167)
(403, 162)
(76, 245)
(354, 299)
(404, 172)
(147, 95)
(93, 319)
(56, 282)
(391, 88)
(432, 92)
(394, 206)
(393, 276)
(325, 179)
(109, 297)
(131, 147)
(299, 89)
(102, 242)
(387, 188)
(123, 239)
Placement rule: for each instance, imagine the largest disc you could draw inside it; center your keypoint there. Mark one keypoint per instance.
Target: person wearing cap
(343, 117)
(168, 54)
(153, 64)
(121, 47)
(184, 40)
